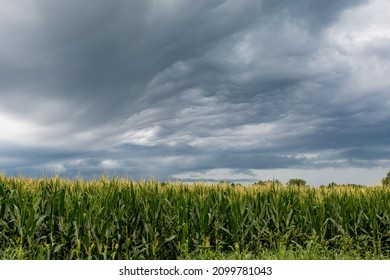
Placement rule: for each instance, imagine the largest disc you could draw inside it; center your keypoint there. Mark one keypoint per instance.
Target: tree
(386, 181)
(268, 183)
(296, 182)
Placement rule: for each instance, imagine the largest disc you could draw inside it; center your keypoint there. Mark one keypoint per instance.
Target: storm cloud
(173, 88)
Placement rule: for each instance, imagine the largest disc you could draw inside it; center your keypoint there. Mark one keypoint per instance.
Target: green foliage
(287, 254)
(386, 181)
(296, 182)
(54, 218)
(269, 183)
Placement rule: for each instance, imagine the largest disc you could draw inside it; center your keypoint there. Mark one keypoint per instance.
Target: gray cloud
(163, 88)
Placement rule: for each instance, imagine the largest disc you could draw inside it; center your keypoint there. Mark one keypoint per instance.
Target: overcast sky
(237, 90)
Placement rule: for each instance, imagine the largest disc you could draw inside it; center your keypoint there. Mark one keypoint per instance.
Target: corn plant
(119, 218)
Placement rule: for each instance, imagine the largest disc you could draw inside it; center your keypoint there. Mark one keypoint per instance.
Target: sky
(196, 90)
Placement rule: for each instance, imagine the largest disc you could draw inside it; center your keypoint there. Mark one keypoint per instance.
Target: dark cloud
(318, 14)
(163, 88)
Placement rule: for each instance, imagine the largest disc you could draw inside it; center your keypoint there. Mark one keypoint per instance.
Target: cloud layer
(166, 88)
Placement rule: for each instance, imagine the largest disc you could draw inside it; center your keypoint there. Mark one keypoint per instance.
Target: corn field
(56, 218)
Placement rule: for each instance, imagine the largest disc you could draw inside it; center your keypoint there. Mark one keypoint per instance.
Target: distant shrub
(296, 182)
(260, 183)
(330, 185)
(355, 185)
(274, 182)
(386, 181)
(349, 185)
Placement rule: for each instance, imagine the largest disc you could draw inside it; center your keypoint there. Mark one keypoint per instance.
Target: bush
(386, 181)
(268, 183)
(296, 182)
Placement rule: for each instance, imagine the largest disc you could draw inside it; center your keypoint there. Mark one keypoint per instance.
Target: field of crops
(55, 218)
